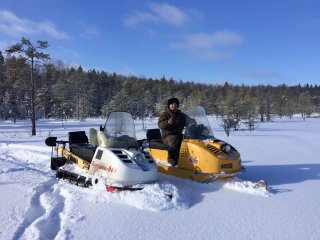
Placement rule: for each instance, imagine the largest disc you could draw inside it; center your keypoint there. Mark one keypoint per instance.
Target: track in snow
(42, 219)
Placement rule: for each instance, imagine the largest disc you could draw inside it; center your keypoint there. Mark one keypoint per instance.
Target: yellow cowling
(200, 160)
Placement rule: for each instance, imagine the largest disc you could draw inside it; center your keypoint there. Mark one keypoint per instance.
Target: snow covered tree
(2, 86)
(248, 105)
(305, 104)
(17, 94)
(79, 88)
(45, 91)
(95, 92)
(228, 112)
(266, 100)
(62, 106)
(316, 103)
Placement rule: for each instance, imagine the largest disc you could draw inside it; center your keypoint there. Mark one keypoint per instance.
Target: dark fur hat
(173, 100)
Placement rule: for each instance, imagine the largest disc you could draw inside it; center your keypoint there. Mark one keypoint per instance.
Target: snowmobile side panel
(183, 173)
(194, 175)
(194, 155)
(73, 158)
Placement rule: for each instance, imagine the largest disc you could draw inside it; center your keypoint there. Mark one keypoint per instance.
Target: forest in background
(67, 92)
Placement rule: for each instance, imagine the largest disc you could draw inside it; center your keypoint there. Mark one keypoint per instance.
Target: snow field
(36, 205)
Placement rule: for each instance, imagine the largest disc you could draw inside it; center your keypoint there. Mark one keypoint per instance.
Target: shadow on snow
(282, 174)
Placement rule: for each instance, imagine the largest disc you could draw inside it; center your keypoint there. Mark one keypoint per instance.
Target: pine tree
(2, 86)
(305, 104)
(30, 52)
(229, 110)
(17, 94)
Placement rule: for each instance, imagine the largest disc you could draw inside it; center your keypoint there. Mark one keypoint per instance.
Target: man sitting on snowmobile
(172, 122)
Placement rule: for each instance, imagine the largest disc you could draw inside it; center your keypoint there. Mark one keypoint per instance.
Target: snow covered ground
(285, 153)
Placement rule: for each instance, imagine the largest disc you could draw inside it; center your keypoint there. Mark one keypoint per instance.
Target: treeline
(62, 91)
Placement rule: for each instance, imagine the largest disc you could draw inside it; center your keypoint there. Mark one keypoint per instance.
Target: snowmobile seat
(79, 145)
(78, 137)
(155, 139)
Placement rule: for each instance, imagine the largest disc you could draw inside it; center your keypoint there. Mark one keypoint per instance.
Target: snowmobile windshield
(120, 125)
(197, 124)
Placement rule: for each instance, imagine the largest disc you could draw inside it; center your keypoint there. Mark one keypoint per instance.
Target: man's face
(173, 106)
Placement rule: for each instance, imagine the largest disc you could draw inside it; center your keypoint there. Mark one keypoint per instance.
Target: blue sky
(209, 41)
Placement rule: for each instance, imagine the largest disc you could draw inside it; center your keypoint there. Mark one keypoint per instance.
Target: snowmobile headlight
(145, 144)
(140, 160)
(227, 148)
(139, 157)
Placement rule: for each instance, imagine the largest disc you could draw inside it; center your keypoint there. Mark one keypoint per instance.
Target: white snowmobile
(112, 155)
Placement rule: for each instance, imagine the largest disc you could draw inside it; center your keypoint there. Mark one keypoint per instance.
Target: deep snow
(285, 152)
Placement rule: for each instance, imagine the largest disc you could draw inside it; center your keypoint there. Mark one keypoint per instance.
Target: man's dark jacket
(178, 125)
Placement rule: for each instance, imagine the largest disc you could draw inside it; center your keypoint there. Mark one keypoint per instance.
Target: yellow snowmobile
(202, 157)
